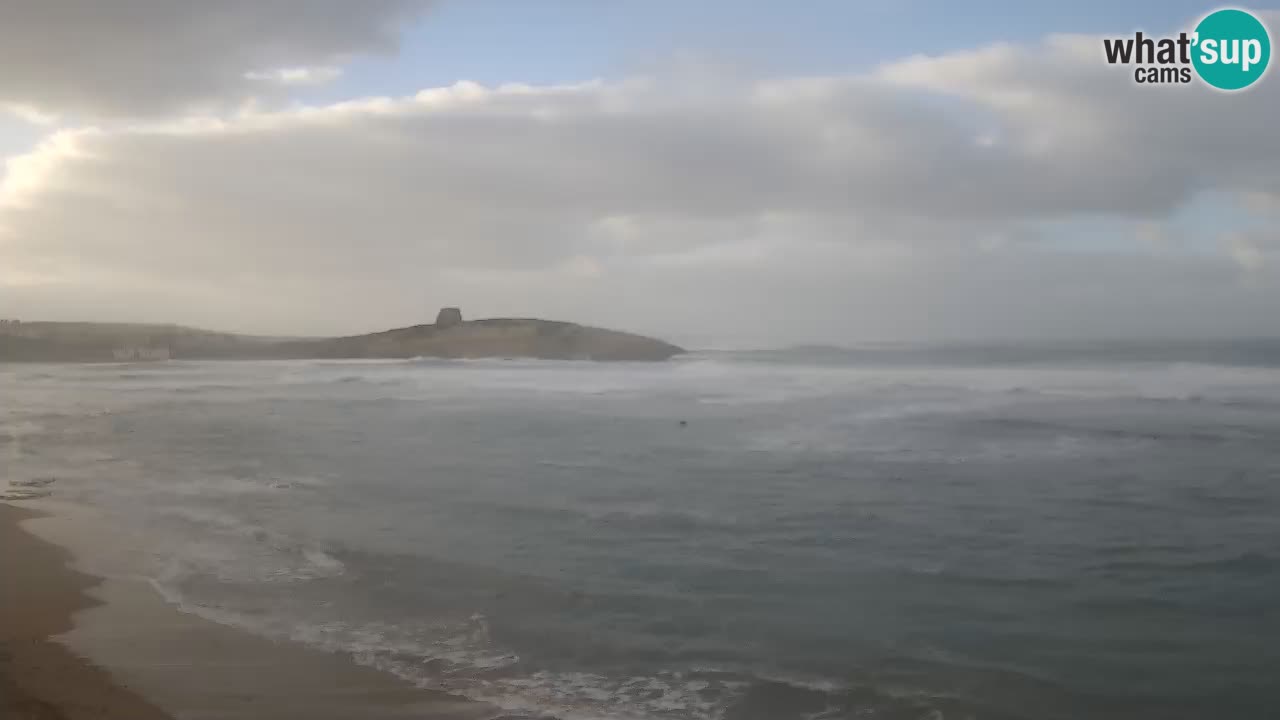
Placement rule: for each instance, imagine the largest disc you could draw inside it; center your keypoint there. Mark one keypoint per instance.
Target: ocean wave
(460, 657)
(231, 485)
(422, 361)
(17, 429)
(40, 482)
(622, 514)
(235, 550)
(1248, 562)
(20, 494)
(198, 388)
(1004, 426)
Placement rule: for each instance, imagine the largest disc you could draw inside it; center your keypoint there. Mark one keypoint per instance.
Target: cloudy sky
(727, 174)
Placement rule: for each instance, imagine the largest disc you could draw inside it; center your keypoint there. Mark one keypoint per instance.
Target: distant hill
(449, 337)
(501, 337)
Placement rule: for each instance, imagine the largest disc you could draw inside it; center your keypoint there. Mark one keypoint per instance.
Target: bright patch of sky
(557, 42)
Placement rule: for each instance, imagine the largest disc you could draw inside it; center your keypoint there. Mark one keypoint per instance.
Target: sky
(721, 174)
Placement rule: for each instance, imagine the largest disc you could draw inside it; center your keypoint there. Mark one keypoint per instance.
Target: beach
(41, 679)
(73, 646)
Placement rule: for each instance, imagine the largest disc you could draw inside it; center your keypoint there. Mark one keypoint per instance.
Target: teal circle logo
(1232, 49)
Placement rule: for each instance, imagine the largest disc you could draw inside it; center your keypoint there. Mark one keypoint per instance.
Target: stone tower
(448, 317)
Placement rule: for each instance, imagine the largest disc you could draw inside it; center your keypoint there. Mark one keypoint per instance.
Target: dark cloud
(140, 57)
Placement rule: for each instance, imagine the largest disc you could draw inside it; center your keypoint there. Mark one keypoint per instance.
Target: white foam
(460, 658)
(20, 494)
(236, 550)
(322, 564)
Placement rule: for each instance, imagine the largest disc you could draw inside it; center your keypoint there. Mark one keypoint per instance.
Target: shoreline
(40, 678)
(76, 645)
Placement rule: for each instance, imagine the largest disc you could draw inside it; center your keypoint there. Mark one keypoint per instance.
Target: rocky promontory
(449, 337)
(500, 337)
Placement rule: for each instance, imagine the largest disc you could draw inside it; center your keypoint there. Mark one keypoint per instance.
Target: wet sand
(41, 679)
(75, 646)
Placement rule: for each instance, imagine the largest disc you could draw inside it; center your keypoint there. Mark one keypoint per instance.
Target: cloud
(144, 57)
(911, 201)
(297, 76)
(29, 114)
(1245, 251)
(1084, 122)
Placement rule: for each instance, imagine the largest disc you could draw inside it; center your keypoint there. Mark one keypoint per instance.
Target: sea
(808, 534)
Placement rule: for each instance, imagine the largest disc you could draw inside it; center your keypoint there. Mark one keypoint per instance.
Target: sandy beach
(76, 646)
(39, 678)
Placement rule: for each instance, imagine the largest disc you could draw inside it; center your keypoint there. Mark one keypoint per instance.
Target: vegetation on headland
(449, 337)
